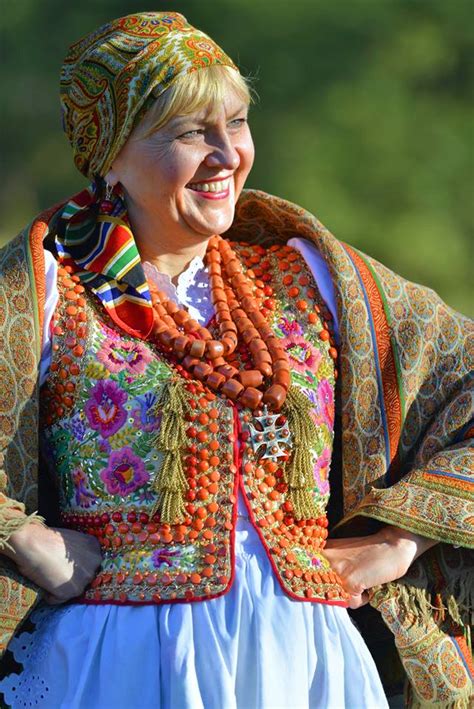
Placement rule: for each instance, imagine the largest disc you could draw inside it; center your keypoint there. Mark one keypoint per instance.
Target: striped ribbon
(102, 251)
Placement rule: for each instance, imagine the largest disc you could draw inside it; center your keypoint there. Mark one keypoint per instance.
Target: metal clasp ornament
(267, 438)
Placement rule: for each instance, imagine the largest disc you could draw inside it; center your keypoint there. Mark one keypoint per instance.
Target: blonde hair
(204, 88)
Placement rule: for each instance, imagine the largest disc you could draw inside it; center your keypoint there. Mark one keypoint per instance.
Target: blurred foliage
(364, 116)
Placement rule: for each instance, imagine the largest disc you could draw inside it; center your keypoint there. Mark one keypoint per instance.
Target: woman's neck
(169, 256)
(173, 263)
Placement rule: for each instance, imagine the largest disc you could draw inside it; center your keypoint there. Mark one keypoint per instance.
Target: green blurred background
(364, 116)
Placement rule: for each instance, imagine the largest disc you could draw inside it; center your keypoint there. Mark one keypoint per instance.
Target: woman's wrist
(20, 540)
(411, 544)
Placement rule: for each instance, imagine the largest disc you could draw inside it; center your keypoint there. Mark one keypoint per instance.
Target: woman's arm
(61, 561)
(364, 562)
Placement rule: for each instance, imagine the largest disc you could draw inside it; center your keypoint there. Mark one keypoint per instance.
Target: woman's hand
(363, 562)
(63, 562)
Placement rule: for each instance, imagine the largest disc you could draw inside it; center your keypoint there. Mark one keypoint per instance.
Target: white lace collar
(192, 290)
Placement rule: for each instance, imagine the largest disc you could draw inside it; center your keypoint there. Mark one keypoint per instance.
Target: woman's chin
(210, 227)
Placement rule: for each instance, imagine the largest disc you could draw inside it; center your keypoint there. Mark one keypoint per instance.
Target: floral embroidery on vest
(102, 421)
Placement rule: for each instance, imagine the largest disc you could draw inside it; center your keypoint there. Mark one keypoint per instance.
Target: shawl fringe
(461, 702)
(11, 524)
(417, 613)
(455, 602)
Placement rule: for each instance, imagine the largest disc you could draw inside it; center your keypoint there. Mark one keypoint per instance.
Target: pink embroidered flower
(117, 355)
(104, 446)
(164, 557)
(303, 356)
(183, 558)
(326, 402)
(124, 473)
(104, 409)
(290, 327)
(321, 471)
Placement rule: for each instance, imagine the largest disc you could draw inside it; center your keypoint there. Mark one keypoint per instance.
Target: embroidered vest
(102, 412)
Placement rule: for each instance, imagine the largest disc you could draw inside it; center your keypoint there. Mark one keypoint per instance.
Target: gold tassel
(299, 473)
(170, 482)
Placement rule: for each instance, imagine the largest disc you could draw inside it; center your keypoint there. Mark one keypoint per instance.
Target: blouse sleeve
(321, 275)
(51, 300)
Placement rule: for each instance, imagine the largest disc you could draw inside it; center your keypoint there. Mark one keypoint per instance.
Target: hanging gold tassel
(170, 482)
(299, 473)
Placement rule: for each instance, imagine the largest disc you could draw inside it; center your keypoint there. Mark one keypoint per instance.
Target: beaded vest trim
(103, 408)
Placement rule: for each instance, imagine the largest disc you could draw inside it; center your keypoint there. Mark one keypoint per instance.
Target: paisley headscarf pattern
(110, 77)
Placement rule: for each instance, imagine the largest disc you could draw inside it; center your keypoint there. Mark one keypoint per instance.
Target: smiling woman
(185, 165)
(195, 349)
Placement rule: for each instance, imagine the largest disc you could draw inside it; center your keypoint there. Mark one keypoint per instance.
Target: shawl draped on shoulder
(405, 402)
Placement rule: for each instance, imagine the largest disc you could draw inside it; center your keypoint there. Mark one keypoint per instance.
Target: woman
(187, 409)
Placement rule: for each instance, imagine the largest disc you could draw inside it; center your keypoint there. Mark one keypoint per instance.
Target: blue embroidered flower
(76, 426)
(145, 418)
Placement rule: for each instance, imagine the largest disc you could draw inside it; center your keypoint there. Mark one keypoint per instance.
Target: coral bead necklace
(239, 318)
(281, 425)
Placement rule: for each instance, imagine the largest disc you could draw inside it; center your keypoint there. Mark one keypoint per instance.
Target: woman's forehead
(204, 96)
(230, 106)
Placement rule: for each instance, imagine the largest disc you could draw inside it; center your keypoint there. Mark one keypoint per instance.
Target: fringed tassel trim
(457, 602)
(420, 607)
(299, 474)
(466, 702)
(460, 598)
(170, 483)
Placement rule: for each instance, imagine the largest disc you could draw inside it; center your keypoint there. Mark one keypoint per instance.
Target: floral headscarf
(112, 75)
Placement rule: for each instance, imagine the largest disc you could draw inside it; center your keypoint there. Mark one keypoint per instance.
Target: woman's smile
(218, 188)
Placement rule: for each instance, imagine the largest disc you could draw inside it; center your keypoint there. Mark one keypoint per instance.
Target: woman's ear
(111, 177)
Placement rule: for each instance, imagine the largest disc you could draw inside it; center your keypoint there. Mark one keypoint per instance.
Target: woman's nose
(224, 155)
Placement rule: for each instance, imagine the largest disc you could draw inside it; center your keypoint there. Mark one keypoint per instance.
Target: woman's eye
(237, 122)
(195, 132)
(191, 133)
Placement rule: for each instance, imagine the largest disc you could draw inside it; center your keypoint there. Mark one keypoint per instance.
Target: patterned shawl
(406, 401)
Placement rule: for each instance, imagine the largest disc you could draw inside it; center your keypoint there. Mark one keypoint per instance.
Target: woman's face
(185, 178)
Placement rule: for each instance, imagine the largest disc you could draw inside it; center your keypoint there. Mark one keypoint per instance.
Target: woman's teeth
(219, 186)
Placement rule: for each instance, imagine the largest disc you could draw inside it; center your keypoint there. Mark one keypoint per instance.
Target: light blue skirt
(252, 648)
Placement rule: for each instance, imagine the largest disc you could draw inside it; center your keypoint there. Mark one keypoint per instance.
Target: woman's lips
(213, 195)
